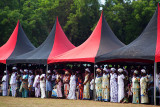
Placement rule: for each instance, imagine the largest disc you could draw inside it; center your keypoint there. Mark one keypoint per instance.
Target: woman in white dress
(72, 90)
(36, 84)
(5, 83)
(121, 78)
(113, 86)
(43, 85)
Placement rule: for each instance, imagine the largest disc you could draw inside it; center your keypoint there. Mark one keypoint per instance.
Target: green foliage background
(127, 18)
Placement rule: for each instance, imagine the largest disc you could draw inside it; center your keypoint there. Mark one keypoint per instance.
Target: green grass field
(38, 102)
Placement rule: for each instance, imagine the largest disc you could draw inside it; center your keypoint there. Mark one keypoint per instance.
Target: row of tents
(101, 46)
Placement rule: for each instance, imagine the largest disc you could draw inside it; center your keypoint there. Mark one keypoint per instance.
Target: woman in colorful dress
(72, 90)
(80, 85)
(49, 84)
(30, 82)
(143, 87)
(105, 85)
(66, 80)
(25, 84)
(86, 82)
(135, 87)
(121, 90)
(113, 86)
(98, 82)
(59, 85)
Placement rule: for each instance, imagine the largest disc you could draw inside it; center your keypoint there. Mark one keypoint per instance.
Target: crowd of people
(111, 84)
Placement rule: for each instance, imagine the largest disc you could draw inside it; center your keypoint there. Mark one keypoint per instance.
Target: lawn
(38, 102)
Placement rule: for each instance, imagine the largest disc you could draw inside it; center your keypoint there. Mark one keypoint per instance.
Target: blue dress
(48, 84)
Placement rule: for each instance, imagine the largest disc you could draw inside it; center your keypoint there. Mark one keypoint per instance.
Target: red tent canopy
(102, 40)
(56, 43)
(17, 44)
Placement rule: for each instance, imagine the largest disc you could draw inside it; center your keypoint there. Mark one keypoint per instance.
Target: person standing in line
(13, 82)
(98, 82)
(86, 95)
(80, 85)
(19, 83)
(5, 83)
(49, 84)
(143, 87)
(72, 83)
(135, 87)
(30, 82)
(43, 84)
(66, 80)
(59, 85)
(121, 90)
(91, 86)
(36, 84)
(25, 84)
(113, 86)
(105, 85)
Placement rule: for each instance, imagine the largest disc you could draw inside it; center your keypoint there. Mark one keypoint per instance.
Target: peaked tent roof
(142, 49)
(55, 44)
(17, 44)
(102, 40)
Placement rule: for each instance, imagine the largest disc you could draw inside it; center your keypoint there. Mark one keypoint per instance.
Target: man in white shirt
(13, 82)
(43, 85)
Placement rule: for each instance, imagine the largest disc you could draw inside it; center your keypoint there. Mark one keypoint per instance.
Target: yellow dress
(86, 95)
(144, 93)
(98, 82)
(105, 87)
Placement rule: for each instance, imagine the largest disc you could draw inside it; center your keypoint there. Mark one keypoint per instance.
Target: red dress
(80, 88)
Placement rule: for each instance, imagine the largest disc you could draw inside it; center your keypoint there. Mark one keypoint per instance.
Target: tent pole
(94, 90)
(155, 72)
(6, 68)
(46, 68)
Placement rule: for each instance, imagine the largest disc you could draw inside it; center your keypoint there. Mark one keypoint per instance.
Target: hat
(98, 70)
(66, 72)
(135, 71)
(49, 71)
(143, 70)
(26, 70)
(21, 71)
(106, 65)
(120, 70)
(113, 69)
(5, 71)
(30, 71)
(105, 69)
(14, 68)
(96, 66)
(87, 69)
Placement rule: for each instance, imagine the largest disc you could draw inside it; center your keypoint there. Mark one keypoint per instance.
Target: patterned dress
(135, 90)
(59, 85)
(113, 88)
(144, 93)
(66, 85)
(86, 95)
(80, 85)
(48, 83)
(25, 87)
(105, 87)
(98, 82)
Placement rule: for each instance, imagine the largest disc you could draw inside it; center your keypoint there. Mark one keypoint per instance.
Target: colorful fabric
(105, 87)
(86, 95)
(135, 90)
(143, 92)
(98, 83)
(113, 88)
(66, 85)
(80, 85)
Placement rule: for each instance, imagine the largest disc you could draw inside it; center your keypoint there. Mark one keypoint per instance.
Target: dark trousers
(91, 94)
